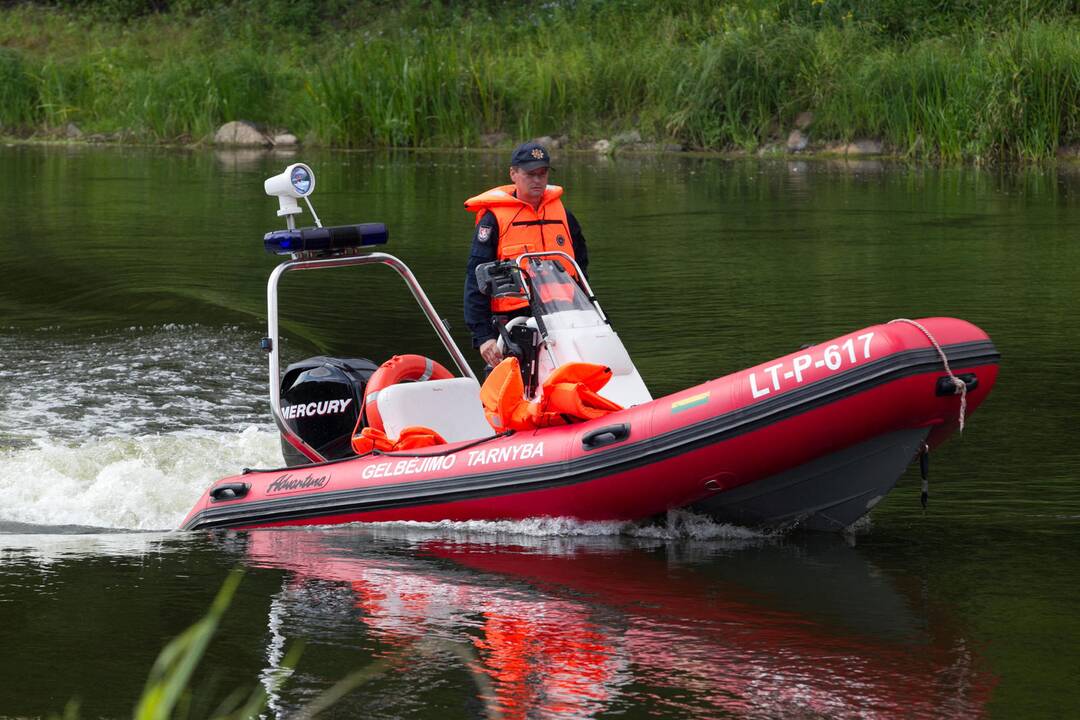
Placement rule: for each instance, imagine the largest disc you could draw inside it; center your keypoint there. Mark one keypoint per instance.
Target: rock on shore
(797, 141)
(240, 133)
(866, 146)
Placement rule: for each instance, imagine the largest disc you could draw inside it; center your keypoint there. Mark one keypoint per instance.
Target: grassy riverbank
(981, 81)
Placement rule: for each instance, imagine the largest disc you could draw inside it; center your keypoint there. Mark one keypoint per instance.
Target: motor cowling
(321, 398)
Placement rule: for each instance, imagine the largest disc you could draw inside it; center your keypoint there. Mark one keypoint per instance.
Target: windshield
(554, 289)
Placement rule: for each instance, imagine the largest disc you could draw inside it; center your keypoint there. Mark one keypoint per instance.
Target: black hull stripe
(621, 458)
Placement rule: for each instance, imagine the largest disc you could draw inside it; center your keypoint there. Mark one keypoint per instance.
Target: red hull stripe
(621, 458)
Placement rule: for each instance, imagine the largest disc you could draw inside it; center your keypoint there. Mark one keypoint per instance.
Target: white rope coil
(960, 385)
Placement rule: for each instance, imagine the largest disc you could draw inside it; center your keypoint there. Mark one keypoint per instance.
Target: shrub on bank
(974, 81)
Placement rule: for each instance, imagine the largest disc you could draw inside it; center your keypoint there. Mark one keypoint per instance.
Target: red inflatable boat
(812, 439)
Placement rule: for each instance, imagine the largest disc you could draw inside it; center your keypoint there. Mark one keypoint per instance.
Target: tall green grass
(958, 81)
(1008, 95)
(18, 91)
(169, 691)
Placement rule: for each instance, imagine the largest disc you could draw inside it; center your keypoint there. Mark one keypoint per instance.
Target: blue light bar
(325, 240)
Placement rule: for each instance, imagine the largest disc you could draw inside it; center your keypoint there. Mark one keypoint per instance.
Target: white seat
(451, 408)
(583, 336)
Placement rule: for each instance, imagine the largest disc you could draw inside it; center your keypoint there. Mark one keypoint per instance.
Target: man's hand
(490, 352)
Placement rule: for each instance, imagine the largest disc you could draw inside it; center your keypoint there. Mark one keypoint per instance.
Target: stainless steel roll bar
(375, 258)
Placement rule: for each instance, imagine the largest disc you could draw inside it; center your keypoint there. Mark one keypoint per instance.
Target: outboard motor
(321, 397)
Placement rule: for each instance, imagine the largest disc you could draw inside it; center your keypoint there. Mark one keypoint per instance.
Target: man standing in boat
(511, 220)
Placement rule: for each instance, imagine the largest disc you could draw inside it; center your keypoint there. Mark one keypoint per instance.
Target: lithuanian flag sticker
(690, 402)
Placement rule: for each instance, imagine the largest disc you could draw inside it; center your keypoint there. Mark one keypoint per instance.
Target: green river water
(132, 288)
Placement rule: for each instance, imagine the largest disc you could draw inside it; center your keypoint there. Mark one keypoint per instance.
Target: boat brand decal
(834, 358)
(288, 482)
(527, 451)
(394, 468)
(326, 407)
(690, 402)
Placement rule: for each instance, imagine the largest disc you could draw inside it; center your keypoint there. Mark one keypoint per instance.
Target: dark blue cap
(529, 156)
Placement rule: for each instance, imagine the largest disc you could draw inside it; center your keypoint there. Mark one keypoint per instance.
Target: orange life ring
(400, 368)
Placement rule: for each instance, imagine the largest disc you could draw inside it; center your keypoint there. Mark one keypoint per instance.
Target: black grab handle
(512, 348)
(229, 491)
(945, 384)
(605, 436)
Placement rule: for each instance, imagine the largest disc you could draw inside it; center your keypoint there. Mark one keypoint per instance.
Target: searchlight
(298, 181)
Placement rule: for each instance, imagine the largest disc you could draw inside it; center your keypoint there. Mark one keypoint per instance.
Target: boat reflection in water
(562, 626)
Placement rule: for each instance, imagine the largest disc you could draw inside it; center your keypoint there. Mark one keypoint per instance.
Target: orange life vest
(412, 437)
(523, 229)
(569, 395)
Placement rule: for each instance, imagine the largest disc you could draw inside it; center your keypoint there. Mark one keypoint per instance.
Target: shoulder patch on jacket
(483, 232)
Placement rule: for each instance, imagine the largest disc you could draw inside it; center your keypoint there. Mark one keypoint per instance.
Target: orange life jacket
(570, 394)
(523, 229)
(414, 436)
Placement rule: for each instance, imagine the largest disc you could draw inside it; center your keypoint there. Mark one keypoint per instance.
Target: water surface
(130, 377)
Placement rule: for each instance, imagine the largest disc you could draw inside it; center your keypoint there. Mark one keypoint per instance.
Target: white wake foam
(40, 549)
(124, 429)
(128, 382)
(678, 525)
(146, 482)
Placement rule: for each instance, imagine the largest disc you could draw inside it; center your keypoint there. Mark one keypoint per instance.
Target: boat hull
(828, 493)
(814, 438)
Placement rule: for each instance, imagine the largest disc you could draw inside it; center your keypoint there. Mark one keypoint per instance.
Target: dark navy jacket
(478, 305)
